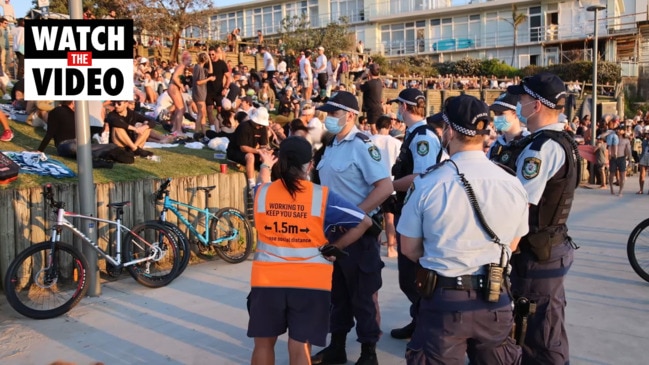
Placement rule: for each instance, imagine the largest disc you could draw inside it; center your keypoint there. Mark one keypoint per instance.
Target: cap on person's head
(308, 109)
(226, 104)
(250, 92)
(246, 98)
(408, 96)
(545, 87)
(321, 48)
(260, 116)
(505, 101)
(622, 126)
(343, 100)
(243, 78)
(436, 120)
(374, 69)
(144, 60)
(236, 73)
(467, 115)
(341, 55)
(296, 149)
(288, 88)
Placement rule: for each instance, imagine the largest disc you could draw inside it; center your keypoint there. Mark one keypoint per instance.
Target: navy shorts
(305, 312)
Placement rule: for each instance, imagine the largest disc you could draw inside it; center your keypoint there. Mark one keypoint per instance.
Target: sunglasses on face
(117, 103)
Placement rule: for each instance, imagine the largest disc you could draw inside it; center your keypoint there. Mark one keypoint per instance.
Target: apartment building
(553, 31)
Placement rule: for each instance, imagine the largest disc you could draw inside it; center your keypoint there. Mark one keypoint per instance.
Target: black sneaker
(143, 153)
(403, 333)
(330, 355)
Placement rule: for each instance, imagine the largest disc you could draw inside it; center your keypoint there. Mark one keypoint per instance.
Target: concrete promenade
(201, 317)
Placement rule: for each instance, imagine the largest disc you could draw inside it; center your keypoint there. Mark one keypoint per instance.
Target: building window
(352, 9)
(534, 16)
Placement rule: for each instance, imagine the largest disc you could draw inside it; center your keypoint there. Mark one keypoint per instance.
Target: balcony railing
(390, 8)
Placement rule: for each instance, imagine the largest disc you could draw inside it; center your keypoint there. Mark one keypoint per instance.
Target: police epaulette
(363, 137)
(433, 168)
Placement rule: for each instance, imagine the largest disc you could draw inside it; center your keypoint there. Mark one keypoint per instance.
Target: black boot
(334, 353)
(404, 332)
(368, 355)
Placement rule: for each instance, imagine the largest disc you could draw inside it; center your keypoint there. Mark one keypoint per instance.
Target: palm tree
(517, 20)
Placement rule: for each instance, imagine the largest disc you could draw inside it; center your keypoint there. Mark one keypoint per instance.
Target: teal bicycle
(228, 233)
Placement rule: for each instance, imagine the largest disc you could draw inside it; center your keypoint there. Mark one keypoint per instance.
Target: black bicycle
(637, 249)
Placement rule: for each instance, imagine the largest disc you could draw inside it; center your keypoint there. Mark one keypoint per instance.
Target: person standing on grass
(291, 279)
(199, 88)
(175, 90)
(8, 134)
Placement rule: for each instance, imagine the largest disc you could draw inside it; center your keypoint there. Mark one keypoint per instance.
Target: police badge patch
(422, 148)
(374, 153)
(531, 167)
(505, 157)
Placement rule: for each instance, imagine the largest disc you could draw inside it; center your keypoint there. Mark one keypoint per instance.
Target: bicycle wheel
(237, 249)
(179, 238)
(154, 240)
(40, 288)
(637, 249)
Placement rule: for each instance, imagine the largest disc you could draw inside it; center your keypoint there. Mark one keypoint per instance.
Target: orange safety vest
(289, 233)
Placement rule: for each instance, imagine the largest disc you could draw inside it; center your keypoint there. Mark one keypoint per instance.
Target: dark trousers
(452, 324)
(355, 284)
(546, 341)
(407, 275)
(322, 82)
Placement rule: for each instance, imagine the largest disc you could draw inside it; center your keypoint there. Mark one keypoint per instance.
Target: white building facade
(554, 31)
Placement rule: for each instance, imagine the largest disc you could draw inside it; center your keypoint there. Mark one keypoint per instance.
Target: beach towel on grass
(38, 163)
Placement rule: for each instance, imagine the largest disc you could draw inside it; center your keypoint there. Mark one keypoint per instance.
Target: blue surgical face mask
(519, 111)
(399, 114)
(501, 123)
(333, 124)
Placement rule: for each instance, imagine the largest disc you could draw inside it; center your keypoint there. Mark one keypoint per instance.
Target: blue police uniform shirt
(424, 148)
(535, 168)
(351, 166)
(438, 210)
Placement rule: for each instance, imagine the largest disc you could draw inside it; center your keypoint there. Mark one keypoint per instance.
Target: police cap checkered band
(343, 100)
(545, 87)
(506, 101)
(464, 112)
(410, 96)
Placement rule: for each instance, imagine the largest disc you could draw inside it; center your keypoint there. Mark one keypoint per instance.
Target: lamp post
(593, 115)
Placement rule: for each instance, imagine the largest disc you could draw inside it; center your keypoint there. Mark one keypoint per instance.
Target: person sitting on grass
(129, 130)
(250, 137)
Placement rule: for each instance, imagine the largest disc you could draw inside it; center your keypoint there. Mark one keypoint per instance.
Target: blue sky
(22, 6)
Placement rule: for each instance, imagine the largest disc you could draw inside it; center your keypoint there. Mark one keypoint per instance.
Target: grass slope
(176, 162)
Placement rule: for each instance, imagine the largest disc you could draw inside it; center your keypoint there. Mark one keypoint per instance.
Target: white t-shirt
(389, 148)
(315, 132)
(321, 64)
(163, 102)
(281, 67)
(303, 69)
(269, 62)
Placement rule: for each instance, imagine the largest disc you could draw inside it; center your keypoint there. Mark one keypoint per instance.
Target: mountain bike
(228, 233)
(637, 249)
(48, 279)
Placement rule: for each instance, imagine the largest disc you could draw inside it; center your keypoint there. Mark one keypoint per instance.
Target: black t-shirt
(372, 95)
(248, 134)
(18, 86)
(234, 91)
(60, 126)
(219, 69)
(117, 121)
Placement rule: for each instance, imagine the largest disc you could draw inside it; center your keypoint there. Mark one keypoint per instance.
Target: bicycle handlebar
(162, 190)
(49, 195)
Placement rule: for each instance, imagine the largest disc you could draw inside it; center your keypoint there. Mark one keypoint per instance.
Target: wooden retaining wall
(26, 218)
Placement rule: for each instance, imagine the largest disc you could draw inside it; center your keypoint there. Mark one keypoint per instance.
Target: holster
(425, 282)
(377, 225)
(541, 243)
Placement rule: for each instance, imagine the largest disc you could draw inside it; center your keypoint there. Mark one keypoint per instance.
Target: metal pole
(593, 116)
(87, 203)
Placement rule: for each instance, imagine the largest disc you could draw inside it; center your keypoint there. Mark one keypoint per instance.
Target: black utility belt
(428, 280)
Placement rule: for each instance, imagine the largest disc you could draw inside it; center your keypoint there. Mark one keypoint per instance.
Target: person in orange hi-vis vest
(292, 270)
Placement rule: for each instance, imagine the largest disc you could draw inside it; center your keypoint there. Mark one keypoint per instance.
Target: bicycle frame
(62, 222)
(170, 204)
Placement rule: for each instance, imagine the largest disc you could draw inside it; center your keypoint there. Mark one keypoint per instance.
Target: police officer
(421, 149)
(351, 167)
(461, 312)
(507, 124)
(291, 281)
(549, 170)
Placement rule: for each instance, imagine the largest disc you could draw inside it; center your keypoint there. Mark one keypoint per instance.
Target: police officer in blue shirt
(421, 149)
(351, 167)
(461, 221)
(511, 131)
(549, 170)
